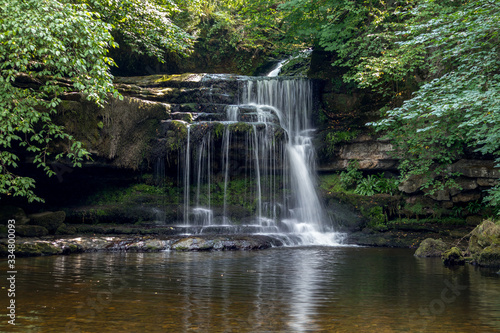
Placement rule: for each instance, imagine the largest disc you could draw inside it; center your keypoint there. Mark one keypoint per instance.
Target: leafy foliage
(457, 108)
(369, 185)
(47, 49)
(52, 48)
(352, 176)
(144, 25)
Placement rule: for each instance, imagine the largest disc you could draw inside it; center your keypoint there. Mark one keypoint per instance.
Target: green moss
(453, 257)
(241, 127)
(36, 249)
(336, 137)
(490, 256)
(173, 77)
(430, 247)
(332, 183)
(218, 130)
(377, 219)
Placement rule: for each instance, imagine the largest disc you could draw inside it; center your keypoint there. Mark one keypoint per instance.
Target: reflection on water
(279, 290)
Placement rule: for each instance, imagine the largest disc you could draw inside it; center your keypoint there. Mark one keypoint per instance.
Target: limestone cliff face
(151, 121)
(126, 133)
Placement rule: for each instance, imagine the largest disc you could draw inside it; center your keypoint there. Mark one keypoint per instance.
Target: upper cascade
(260, 138)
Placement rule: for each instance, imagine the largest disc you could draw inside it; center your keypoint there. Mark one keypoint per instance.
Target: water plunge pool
(302, 289)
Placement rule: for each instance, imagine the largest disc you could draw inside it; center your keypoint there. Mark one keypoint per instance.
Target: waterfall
(267, 137)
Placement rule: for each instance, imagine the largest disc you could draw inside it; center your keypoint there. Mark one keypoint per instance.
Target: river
(301, 289)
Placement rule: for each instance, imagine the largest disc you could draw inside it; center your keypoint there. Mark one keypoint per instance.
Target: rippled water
(343, 289)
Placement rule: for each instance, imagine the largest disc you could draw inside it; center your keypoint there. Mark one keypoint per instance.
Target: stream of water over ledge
(260, 136)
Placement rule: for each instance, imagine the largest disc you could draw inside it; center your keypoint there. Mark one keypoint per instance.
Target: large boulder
(490, 256)
(484, 244)
(430, 247)
(31, 231)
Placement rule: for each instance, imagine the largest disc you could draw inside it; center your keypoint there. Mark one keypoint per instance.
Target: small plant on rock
(352, 176)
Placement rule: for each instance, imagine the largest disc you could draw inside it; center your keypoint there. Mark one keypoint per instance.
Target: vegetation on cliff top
(434, 62)
(51, 48)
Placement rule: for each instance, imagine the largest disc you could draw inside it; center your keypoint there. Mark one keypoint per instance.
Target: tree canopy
(456, 107)
(435, 62)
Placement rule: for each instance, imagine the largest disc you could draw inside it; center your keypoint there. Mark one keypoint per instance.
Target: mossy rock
(72, 248)
(49, 220)
(31, 231)
(430, 247)
(453, 257)
(65, 230)
(489, 257)
(483, 236)
(36, 249)
(193, 244)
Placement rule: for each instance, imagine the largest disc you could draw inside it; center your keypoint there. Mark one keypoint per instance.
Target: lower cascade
(249, 167)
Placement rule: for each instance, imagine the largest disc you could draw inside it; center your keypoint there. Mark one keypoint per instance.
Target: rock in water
(430, 247)
(484, 244)
(453, 257)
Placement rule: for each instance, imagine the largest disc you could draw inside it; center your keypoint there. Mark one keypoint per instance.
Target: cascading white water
(282, 171)
(291, 101)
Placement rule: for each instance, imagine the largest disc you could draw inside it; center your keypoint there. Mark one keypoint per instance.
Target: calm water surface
(343, 289)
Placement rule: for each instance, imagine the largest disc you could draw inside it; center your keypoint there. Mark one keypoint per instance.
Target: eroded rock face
(476, 168)
(370, 153)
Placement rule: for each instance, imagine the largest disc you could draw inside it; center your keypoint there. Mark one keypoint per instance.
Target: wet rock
(225, 243)
(453, 257)
(49, 220)
(39, 248)
(31, 231)
(431, 248)
(187, 117)
(192, 244)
